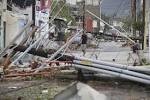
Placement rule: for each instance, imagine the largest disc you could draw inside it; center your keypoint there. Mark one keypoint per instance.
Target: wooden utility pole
(3, 23)
(83, 15)
(33, 11)
(133, 12)
(144, 38)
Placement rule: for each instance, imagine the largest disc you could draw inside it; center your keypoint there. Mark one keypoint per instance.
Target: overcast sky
(112, 7)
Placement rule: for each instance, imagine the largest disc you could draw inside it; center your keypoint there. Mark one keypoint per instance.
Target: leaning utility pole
(133, 12)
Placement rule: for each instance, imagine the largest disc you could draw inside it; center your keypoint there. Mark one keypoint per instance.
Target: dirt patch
(47, 89)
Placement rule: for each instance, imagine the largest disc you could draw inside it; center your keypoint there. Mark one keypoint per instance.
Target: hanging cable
(38, 39)
(54, 6)
(51, 17)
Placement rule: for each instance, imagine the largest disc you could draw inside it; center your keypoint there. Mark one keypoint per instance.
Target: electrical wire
(52, 17)
(9, 5)
(39, 38)
(117, 10)
(54, 6)
(50, 22)
(127, 3)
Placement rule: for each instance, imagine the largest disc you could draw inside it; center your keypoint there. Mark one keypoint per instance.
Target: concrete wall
(28, 11)
(12, 21)
(147, 20)
(13, 26)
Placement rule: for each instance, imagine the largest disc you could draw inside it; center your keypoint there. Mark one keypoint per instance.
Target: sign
(42, 14)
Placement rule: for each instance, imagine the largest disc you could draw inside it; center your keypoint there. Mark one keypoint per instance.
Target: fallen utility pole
(7, 60)
(38, 40)
(114, 69)
(59, 50)
(64, 46)
(111, 26)
(43, 53)
(34, 51)
(31, 46)
(134, 68)
(132, 78)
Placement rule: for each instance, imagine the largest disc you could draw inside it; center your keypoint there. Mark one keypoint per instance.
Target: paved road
(108, 51)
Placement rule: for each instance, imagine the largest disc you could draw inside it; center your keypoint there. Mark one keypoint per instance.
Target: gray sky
(112, 7)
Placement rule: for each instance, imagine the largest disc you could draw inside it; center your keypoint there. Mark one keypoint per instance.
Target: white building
(117, 23)
(147, 24)
(10, 23)
(147, 19)
(14, 24)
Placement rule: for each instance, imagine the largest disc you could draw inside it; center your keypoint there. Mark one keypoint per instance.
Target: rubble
(42, 51)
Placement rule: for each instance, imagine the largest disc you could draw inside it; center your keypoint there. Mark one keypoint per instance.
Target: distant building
(11, 22)
(93, 6)
(117, 22)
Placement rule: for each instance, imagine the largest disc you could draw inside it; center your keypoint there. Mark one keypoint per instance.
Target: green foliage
(107, 19)
(65, 13)
(138, 25)
(127, 24)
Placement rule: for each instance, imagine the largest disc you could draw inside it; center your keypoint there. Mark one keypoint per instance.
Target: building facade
(147, 26)
(11, 22)
(93, 6)
(147, 21)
